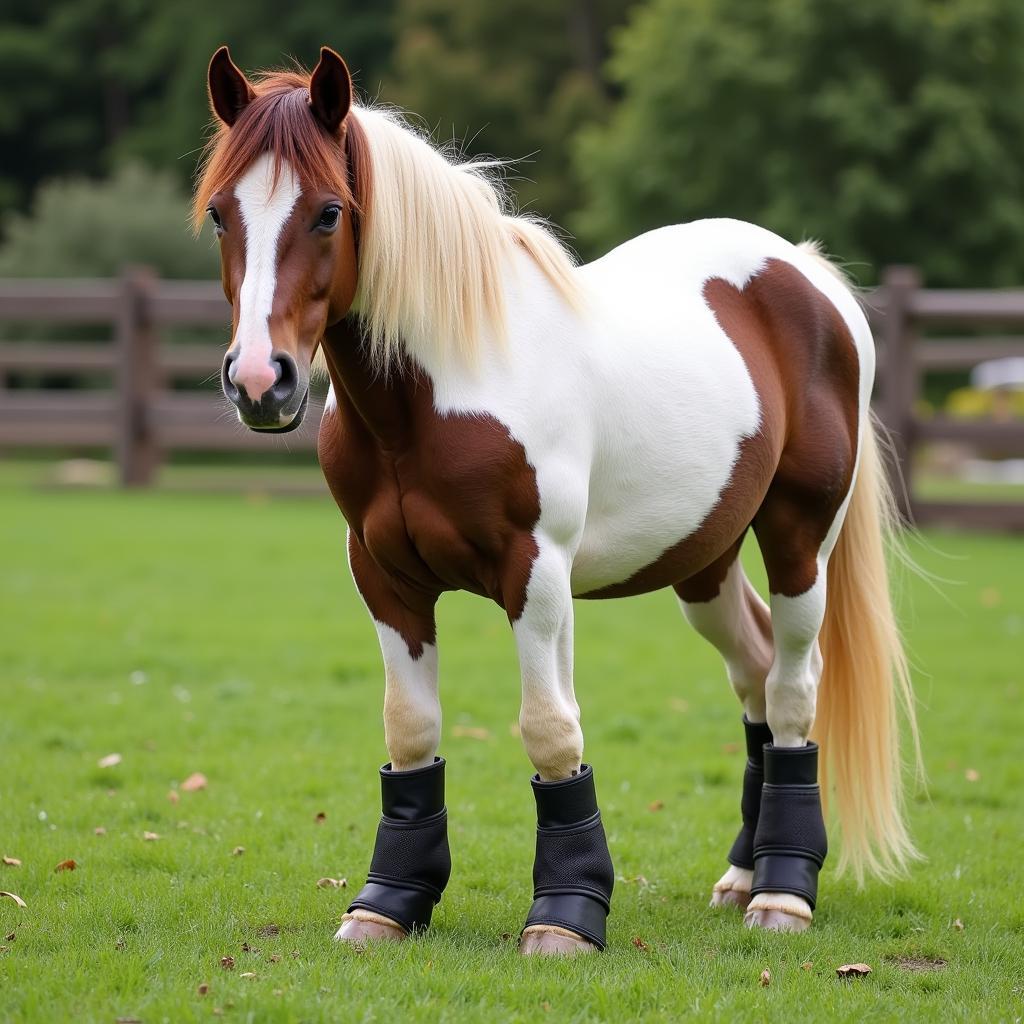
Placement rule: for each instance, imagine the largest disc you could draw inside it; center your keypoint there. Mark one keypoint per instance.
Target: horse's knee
(553, 739)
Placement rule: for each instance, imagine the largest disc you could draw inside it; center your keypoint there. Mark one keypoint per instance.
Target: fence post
(900, 383)
(137, 453)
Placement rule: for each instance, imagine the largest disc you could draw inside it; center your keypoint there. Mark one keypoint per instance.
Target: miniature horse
(503, 422)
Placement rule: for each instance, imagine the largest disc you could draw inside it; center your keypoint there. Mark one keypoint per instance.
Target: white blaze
(265, 208)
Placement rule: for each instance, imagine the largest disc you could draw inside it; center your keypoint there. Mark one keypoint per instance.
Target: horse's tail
(866, 681)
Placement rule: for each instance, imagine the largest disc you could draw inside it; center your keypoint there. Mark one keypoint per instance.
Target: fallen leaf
(730, 748)
(270, 929)
(278, 992)
(656, 805)
(218, 1012)
(248, 974)
(766, 978)
(246, 948)
(972, 775)
(228, 963)
(238, 851)
(120, 944)
(853, 970)
(332, 883)
(320, 818)
(807, 966)
(640, 944)
(274, 958)
(99, 830)
(203, 989)
(110, 761)
(12, 862)
(10, 938)
(195, 782)
(958, 925)
(150, 837)
(545, 1006)
(472, 732)
(990, 597)
(173, 797)
(65, 865)
(296, 954)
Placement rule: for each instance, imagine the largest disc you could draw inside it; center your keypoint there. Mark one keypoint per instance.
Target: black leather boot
(572, 869)
(411, 862)
(790, 843)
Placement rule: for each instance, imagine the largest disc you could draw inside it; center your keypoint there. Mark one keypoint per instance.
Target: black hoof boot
(572, 869)
(411, 862)
(741, 855)
(790, 842)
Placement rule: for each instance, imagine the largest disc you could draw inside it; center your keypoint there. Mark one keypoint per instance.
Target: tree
(892, 131)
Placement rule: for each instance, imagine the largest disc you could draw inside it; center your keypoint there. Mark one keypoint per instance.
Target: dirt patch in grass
(920, 964)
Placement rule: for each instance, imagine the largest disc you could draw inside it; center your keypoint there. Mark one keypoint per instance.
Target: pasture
(221, 634)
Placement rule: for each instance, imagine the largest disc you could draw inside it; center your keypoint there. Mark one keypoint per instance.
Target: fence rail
(133, 405)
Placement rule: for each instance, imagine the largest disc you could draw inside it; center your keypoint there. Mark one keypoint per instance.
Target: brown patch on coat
(434, 502)
(790, 478)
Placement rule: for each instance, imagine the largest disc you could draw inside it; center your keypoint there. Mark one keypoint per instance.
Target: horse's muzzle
(277, 407)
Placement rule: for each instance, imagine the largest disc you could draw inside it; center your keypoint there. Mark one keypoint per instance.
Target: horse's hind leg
(724, 608)
(796, 527)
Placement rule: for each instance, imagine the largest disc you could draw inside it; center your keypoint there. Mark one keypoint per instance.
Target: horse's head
(277, 185)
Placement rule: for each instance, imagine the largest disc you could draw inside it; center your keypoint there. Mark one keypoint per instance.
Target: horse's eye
(329, 218)
(215, 217)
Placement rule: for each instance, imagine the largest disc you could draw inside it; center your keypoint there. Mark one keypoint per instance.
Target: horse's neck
(381, 405)
(388, 407)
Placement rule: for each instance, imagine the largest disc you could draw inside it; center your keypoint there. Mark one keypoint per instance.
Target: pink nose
(254, 375)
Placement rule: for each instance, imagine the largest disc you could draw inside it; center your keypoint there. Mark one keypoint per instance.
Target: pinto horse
(504, 422)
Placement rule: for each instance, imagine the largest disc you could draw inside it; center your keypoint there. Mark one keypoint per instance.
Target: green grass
(221, 634)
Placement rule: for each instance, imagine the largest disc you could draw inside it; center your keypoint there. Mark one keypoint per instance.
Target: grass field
(221, 634)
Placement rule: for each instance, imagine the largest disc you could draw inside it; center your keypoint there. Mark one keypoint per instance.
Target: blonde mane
(434, 247)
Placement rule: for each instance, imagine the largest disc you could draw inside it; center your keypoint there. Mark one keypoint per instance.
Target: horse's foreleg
(572, 871)
(411, 863)
(725, 609)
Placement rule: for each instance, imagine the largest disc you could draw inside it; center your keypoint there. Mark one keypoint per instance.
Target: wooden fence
(903, 315)
(140, 414)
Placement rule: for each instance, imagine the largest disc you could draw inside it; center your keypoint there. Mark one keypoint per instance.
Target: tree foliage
(893, 131)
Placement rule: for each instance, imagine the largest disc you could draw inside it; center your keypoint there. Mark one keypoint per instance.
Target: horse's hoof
(778, 912)
(733, 888)
(359, 928)
(730, 898)
(546, 940)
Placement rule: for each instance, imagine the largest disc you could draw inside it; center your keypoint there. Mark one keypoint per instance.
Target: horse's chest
(443, 509)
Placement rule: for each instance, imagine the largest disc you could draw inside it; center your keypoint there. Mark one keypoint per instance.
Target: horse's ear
(330, 90)
(230, 91)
